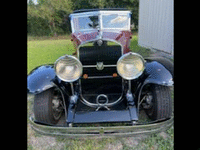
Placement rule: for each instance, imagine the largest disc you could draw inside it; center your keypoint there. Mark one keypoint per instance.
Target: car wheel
(158, 102)
(48, 107)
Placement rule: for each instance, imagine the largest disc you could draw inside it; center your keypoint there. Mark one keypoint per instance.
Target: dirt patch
(133, 141)
(36, 141)
(114, 146)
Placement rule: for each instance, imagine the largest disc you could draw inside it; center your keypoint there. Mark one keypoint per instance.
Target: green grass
(86, 143)
(138, 49)
(48, 51)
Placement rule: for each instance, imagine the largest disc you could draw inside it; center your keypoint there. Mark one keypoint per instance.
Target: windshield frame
(100, 15)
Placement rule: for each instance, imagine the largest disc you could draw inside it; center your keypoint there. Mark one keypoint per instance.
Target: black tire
(43, 109)
(161, 103)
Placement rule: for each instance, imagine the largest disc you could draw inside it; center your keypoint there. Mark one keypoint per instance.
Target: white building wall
(156, 25)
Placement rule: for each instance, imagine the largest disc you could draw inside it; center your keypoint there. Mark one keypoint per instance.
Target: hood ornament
(99, 66)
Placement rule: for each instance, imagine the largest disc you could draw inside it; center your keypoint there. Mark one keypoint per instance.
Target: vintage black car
(103, 81)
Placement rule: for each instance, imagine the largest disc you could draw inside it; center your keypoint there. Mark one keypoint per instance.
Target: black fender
(157, 74)
(41, 79)
(167, 63)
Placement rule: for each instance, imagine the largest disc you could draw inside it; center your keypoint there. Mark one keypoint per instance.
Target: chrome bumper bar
(117, 131)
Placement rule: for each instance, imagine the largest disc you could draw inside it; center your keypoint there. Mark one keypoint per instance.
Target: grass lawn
(47, 52)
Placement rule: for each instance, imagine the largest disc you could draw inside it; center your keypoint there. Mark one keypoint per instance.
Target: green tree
(49, 9)
(51, 16)
(40, 2)
(97, 3)
(30, 3)
(132, 5)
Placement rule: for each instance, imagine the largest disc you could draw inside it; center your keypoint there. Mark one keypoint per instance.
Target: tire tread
(163, 102)
(42, 107)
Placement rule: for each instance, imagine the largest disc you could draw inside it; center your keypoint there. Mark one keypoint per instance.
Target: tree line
(50, 17)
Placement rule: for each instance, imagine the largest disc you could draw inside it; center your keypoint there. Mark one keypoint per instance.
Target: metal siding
(156, 24)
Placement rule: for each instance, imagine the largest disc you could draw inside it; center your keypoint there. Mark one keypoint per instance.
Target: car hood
(121, 37)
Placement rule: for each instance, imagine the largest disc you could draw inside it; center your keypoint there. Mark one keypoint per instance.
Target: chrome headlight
(68, 68)
(130, 66)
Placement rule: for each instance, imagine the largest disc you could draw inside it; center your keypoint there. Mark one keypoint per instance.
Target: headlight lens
(130, 66)
(68, 68)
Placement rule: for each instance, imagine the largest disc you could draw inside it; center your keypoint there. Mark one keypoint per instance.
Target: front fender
(167, 63)
(157, 74)
(40, 79)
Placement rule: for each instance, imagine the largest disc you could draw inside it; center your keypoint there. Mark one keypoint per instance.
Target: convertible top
(98, 9)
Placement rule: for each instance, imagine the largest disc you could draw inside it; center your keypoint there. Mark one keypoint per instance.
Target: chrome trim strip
(99, 77)
(94, 66)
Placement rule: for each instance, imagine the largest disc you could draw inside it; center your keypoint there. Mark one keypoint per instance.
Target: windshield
(101, 20)
(86, 23)
(115, 21)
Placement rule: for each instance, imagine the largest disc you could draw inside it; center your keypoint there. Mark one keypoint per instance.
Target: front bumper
(118, 131)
